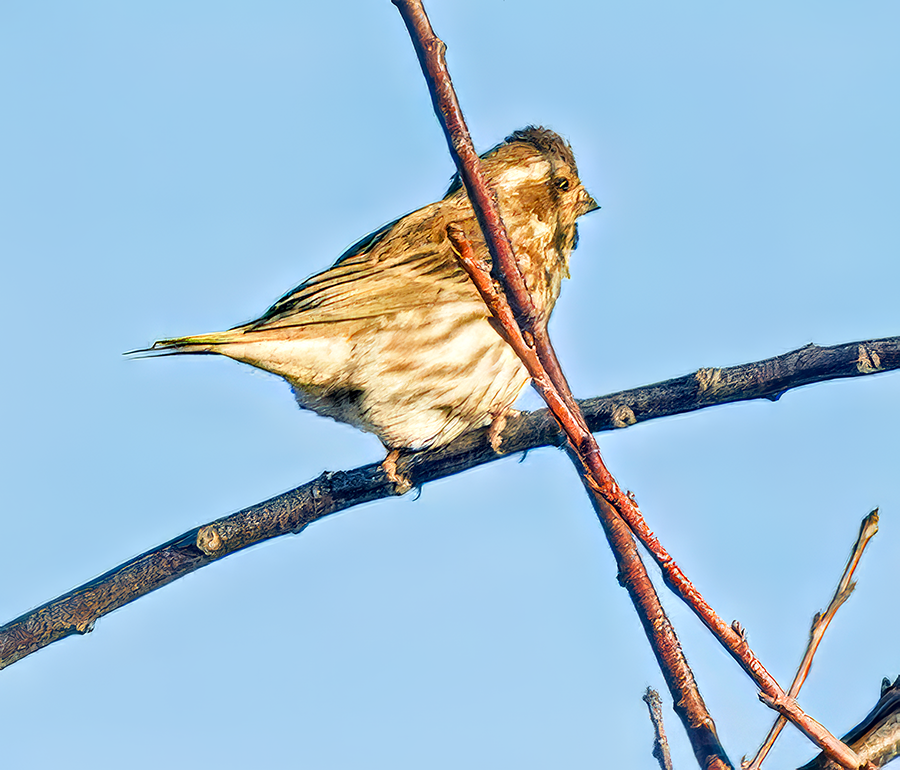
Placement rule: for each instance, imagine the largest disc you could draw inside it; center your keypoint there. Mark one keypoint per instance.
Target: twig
(660, 742)
(821, 621)
(553, 388)
(76, 611)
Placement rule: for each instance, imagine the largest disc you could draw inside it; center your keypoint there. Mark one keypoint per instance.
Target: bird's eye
(561, 183)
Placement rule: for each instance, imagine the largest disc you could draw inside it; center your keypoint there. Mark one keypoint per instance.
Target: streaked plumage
(393, 338)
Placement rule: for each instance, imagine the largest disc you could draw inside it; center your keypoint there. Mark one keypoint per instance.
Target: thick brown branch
(76, 611)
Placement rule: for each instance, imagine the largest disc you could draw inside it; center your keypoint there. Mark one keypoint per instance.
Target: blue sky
(169, 169)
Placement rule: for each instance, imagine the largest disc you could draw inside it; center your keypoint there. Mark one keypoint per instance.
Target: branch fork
(510, 303)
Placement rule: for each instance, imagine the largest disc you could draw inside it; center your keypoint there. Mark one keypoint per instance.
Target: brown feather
(393, 338)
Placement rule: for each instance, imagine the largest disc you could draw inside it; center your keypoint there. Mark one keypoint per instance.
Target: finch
(394, 338)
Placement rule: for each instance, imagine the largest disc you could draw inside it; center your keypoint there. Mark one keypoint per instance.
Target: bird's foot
(401, 483)
(495, 431)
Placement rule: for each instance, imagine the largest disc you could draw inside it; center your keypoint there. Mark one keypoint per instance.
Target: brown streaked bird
(394, 339)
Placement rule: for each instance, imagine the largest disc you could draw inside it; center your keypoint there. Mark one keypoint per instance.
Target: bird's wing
(406, 264)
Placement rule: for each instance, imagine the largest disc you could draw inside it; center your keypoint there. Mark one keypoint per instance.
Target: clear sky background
(171, 168)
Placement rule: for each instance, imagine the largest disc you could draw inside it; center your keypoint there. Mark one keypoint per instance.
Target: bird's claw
(401, 483)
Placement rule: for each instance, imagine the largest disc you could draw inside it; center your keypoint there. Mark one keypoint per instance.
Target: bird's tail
(195, 344)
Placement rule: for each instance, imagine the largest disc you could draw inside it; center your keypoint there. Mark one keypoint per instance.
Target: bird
(394, 338)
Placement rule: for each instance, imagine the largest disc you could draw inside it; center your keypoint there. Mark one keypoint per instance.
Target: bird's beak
(587, 202)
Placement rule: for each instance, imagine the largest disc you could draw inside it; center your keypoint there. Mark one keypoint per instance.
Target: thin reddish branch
(867, 530)
(632, 573)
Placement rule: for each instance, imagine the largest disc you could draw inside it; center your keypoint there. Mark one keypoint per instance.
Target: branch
(660, 742)
(76, 611)
(769, 379)
(821, 621)
(528, 338)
